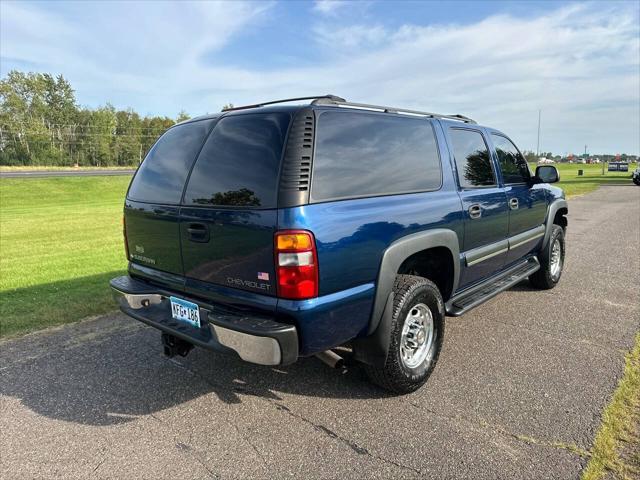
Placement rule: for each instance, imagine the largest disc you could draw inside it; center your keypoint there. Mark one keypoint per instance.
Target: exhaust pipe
(331, 358)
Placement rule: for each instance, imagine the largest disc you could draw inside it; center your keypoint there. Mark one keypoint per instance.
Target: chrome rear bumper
(255, 338)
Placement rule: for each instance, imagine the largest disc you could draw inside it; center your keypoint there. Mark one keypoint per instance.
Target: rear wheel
(416, 337)
(551, 261)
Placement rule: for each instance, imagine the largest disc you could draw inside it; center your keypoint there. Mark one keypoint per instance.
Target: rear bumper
(255, 338)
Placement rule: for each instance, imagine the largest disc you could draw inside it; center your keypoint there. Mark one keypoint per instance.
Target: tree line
(42, 124)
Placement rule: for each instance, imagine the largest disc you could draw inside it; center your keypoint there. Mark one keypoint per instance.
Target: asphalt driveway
(517, 393)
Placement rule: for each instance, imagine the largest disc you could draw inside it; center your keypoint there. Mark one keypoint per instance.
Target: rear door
(486, 218)
(229, 213)
(527, 202)
(151, 212)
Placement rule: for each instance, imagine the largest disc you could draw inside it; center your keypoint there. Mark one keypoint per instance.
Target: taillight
(296, 264)
(124, 234)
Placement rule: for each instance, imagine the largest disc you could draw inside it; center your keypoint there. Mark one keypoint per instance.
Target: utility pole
(538, 145)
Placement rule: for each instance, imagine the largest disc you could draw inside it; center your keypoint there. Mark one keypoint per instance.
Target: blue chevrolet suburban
(278, 231)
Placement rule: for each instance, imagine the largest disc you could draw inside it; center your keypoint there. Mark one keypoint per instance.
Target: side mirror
(547, 174)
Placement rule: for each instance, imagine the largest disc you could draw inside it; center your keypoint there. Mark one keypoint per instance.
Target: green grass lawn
(591, 179)
(60, 243)
(38, 168)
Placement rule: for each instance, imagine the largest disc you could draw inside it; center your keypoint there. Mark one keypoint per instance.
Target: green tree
(41, 124)
(182, 116)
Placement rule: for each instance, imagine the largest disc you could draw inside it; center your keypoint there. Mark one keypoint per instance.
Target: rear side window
(512, 164)
(239, 163)
(161, 177)
(472, 159)
(363, 154)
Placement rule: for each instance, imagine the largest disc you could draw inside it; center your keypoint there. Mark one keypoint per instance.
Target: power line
(111, 135)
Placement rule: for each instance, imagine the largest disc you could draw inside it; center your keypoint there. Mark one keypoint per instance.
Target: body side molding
(526, 237)
(486, 252)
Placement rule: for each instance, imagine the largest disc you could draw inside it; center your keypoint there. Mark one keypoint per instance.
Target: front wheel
(417, 331)
(551, 261)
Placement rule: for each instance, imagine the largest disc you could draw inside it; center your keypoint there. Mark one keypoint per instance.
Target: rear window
(161, 177)
(239, 163)
(362, 154)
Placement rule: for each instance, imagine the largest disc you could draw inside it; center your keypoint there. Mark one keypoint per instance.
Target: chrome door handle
(475, 211)
(513, 204)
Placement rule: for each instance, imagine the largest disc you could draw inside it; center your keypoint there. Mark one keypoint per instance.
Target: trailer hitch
(175, 346)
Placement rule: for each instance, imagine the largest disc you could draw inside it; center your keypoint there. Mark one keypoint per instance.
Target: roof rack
(364, 106)
(285, 100)
(341, 102)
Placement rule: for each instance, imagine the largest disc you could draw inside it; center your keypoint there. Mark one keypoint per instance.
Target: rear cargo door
(151, 212)
(229, 212)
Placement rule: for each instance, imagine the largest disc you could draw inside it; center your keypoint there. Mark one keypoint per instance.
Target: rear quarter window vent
(295, 176)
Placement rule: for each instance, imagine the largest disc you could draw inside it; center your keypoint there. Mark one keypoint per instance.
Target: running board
(474, 296)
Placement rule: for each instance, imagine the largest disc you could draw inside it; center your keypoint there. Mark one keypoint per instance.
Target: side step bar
(474, 296)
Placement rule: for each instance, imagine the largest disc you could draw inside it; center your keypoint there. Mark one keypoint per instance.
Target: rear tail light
(124, 234)
(296, 264)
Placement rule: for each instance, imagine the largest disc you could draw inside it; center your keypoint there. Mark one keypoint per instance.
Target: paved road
(64, 173)
(521, 380)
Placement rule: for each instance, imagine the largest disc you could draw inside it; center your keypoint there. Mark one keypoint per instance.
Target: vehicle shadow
(111, 370)
(523, 286)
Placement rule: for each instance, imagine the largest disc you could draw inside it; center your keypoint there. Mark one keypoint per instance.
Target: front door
(486, 220)
(527, 202)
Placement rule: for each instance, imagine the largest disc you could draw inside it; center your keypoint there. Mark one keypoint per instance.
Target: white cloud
(352, 37)
(579, 64)
(329, 7)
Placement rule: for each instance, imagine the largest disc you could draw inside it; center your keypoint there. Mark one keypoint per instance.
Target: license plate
(185, 311)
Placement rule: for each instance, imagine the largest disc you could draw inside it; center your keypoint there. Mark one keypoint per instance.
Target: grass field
(590, 180)
(39, 168)
(60, 243)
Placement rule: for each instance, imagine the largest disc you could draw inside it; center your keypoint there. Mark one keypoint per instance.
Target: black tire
(546, 278)
(636, 180)
(410, 291)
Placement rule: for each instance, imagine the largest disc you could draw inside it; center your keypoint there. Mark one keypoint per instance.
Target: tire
(549, 275)
(636, 180)
(416, 300)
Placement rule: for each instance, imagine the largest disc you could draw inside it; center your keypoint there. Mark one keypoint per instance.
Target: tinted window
(472, 159)
(360, 154)
(161, 177)
(239, 163)
(512, 164)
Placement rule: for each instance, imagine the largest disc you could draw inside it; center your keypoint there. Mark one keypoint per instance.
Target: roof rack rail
(272, 102)
(327, 100)
(341, 102)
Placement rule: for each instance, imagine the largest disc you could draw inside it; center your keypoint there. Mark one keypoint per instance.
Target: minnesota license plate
(185, 311)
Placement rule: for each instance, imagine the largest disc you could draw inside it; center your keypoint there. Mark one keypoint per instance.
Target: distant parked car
(618, 167)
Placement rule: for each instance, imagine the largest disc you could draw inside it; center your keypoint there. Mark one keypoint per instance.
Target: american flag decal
(263, 276)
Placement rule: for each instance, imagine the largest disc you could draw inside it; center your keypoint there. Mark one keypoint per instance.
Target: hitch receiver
(175, 346)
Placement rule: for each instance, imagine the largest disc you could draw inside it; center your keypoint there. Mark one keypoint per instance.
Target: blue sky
(498, 62)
